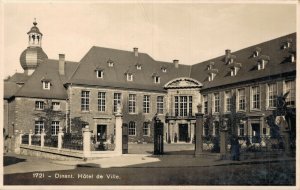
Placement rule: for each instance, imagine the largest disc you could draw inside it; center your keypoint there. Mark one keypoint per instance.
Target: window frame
(228, 102)
(85, 101)
(46, 85)
(292, 93)
(146, 128)
(101, 101)
(129, 77)
(254, 100)
(216, 103)
(132, 98)
(117, 101)
(99, 74)
(55, 128)
(132, 128)
(39, 105)
(241, 102)
(160, 104)
(271, 99)
(146, 103)
(55, 107)
(38, 127)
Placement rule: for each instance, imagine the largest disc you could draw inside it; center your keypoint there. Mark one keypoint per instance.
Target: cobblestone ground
(169, 149)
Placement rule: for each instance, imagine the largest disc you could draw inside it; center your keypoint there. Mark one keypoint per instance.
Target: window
(241, 100)
(164, 70)
(292, 57)
(255, 97)
(139, 67)
(39, 105)
(99, 74)
(101, 101)
(215, 128)
(146, 104)
(156, 80)
(234, 71)
(85, 100)
(46, 85)
(146, 129)
(211, 77)
(160, 104)
(217, 102)
(241, 130)
(131, 128)
(183, 105)
(117, 100)
(261, 65)
(290, 87)
(39, 126)
(54, 127)
(228, 101)
(129, 77)
(110, 63)
(205, 104)
(272, 92)
(132, 103)
(55, 106)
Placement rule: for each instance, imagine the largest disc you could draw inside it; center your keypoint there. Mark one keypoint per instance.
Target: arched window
(132, 128)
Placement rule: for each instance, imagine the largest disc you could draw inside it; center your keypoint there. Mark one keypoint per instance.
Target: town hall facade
(55, 94)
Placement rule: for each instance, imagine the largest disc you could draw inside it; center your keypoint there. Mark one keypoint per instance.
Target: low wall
(62, 154)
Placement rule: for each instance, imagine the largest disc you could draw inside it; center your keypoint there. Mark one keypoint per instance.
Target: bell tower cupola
(34, 54)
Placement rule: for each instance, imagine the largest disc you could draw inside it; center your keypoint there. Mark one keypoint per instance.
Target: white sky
(189, 32)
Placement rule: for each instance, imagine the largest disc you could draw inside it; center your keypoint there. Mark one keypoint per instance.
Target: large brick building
(59, 93)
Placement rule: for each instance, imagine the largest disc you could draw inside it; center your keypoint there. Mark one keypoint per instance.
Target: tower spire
(34, 22)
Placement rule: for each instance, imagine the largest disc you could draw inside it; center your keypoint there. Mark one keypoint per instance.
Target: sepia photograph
(149, 94)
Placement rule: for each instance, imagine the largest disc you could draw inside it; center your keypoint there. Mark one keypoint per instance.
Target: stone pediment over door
(183, 83)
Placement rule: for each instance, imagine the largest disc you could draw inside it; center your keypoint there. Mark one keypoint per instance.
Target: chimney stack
(61, 64)
(136, 52)
(176, 61)
(227, 52)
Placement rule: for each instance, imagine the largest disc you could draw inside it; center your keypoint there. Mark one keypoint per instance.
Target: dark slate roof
(278, 63)
(47, 70)
(13, 83)
(125, 62)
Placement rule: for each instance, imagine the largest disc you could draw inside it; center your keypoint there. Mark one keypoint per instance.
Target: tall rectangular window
(146, 129)
(39, 105)
(38, 127)
(291, 88)
(131, 128)
(228, 101)
(217, 102)
(255, 97)
(205, 104)
(272, 93)
(241, 99)
(160, 104)
(85, 100)
(132, 103)
(117, 100)
(146, 104)
(183, 105)
(55, 106)
(54, 127)
(101, 101)
(241, 130)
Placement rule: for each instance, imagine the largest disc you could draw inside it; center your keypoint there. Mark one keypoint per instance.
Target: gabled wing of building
(48, 70)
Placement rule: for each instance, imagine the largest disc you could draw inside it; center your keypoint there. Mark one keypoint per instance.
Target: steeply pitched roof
(47, 70)
(125, 62)
(278, 63)
(13, 84)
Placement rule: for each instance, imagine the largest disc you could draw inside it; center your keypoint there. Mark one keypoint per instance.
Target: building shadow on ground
(10, 160)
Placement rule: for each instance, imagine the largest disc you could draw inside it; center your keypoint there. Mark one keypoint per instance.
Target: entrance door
(183, 132)
(101, 133)
(255, 133)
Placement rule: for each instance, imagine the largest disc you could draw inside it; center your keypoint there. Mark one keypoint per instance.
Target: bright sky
(189, 32)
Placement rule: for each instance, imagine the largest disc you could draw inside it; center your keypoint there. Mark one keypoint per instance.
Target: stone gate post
(43, 134)
(29, 137)
(223, 144)
(86, 137)
(199, 134)
(118, 137)
(59, 139)
(18, 141)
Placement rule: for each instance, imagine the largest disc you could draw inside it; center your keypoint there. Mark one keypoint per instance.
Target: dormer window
(157, 80)
(292, 57)
(46, 85)
(164, 69)
(256, 52)
(138, 66)
(99, 74)
(234, 68)
(233, 71)
(287, 43)
(261, 65)
(110, 63)
(129, 77)
(262, 62)
(210, 66)
(211, 76)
